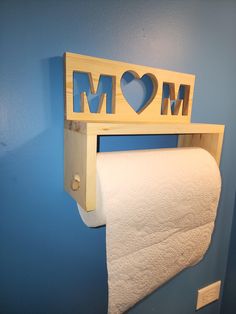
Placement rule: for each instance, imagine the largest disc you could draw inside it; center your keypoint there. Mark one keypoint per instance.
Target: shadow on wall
(53, 87)
(40, 109)
(50, 262)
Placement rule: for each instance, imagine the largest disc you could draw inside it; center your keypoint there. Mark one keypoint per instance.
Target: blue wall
(229, 300)
(50, 262)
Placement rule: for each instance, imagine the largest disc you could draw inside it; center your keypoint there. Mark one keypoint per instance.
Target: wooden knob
(75, 182)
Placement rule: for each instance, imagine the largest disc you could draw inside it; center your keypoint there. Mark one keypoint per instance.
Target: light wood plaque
(157, 108)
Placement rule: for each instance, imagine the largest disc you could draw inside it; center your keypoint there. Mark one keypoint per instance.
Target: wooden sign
(170, 99)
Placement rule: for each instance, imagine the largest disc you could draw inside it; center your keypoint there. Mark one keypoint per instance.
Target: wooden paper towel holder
(168, 113)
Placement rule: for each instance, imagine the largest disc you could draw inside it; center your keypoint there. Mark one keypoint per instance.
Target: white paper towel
(159, 207)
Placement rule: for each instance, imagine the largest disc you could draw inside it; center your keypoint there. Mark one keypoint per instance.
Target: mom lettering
(110, 91)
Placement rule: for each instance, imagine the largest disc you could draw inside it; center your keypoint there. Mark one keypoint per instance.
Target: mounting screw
(75, 182)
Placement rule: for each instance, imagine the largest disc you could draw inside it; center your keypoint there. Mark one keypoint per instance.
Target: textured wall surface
(229, 300)
(50, 262)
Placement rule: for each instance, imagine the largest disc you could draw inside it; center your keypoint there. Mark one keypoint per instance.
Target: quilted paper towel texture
(159, 207)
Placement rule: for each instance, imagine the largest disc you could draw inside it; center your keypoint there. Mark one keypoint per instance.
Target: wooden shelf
(81, 149)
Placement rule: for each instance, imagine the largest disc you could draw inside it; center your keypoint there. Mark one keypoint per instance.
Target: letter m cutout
(175, 103)
(93, 94)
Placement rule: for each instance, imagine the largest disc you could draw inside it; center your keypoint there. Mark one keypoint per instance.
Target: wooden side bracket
(81, 149)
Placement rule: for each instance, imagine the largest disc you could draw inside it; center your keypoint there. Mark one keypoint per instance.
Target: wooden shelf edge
(147, 128)
(122, 129)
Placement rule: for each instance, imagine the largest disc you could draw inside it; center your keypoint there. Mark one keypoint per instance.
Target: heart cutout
(138, 92)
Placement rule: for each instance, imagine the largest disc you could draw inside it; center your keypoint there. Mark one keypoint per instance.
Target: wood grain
(121, 110)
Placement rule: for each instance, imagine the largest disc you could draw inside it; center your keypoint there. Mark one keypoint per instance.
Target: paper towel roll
(159, 207)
